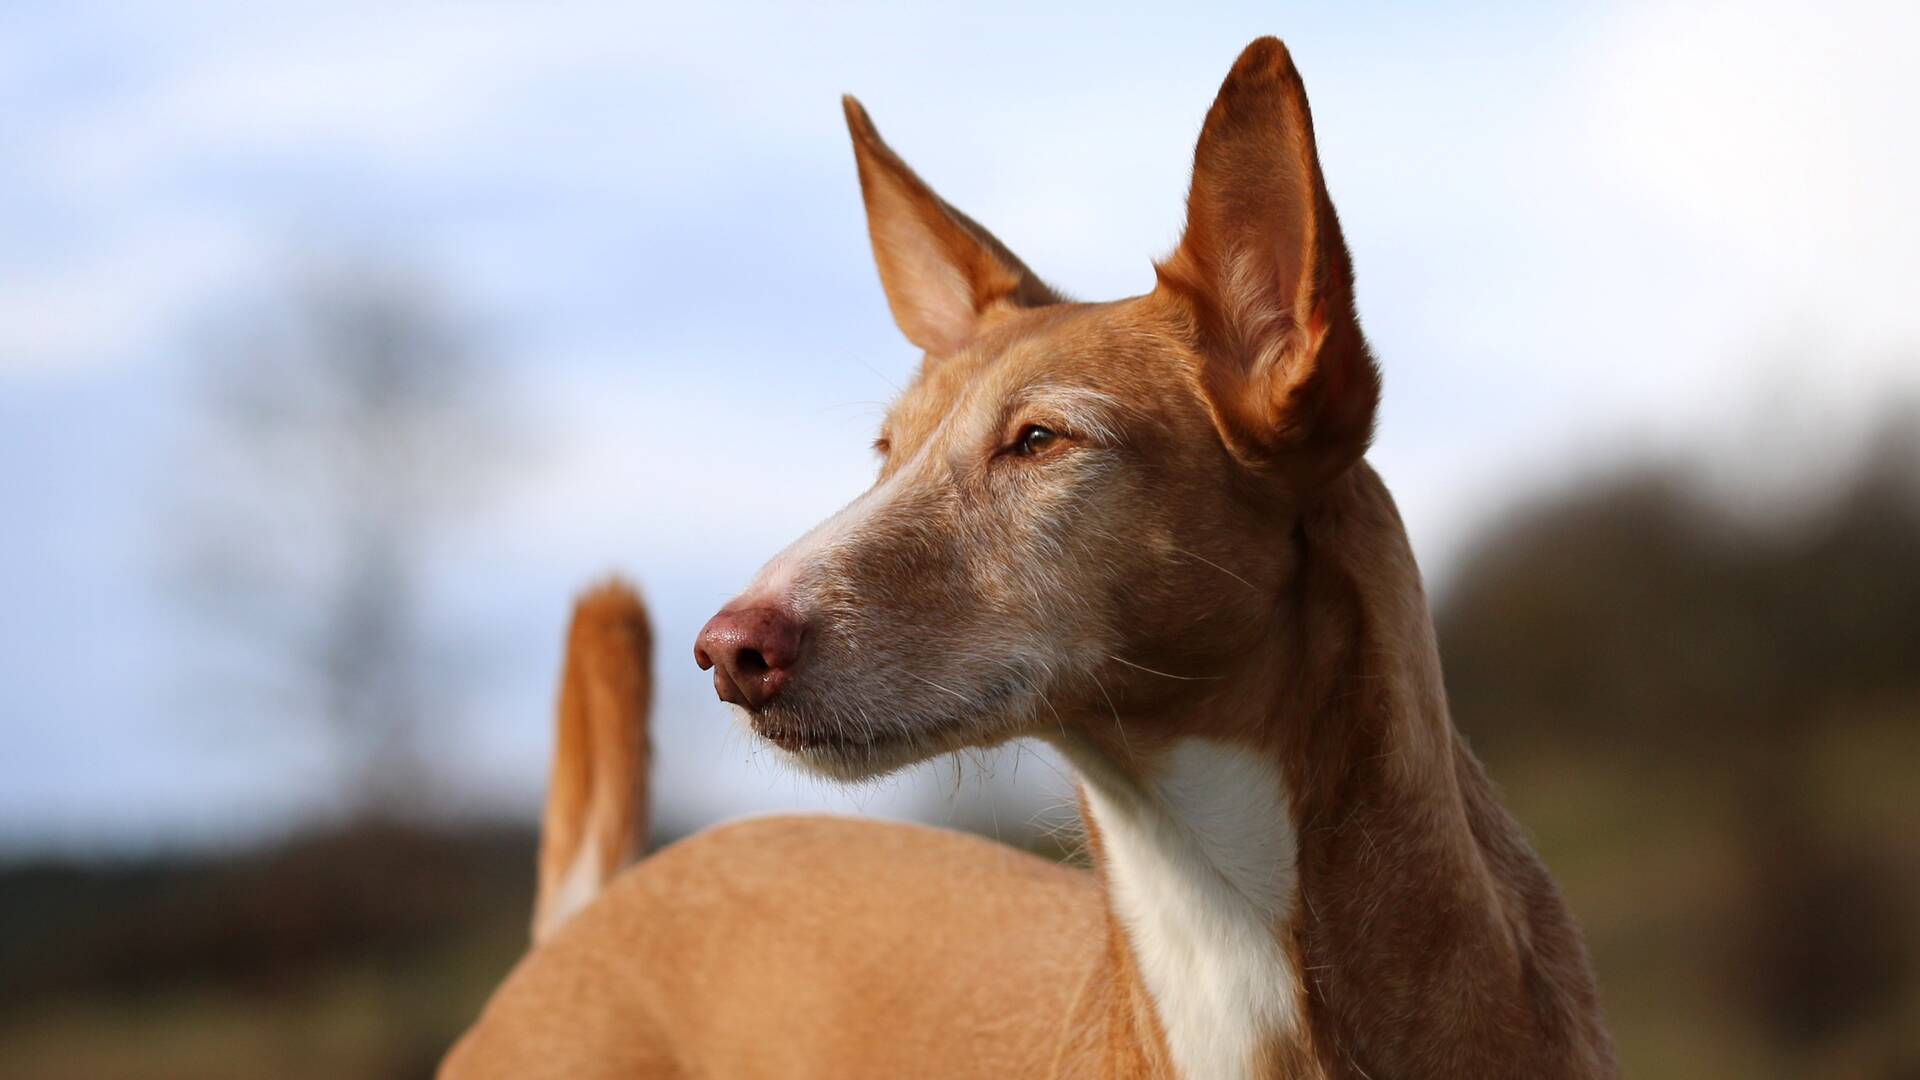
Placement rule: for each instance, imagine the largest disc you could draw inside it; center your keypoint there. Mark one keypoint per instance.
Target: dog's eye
(882, 446)
(1034, 440)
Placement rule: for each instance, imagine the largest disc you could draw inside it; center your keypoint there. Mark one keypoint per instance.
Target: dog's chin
(828, 751)
(849, 767)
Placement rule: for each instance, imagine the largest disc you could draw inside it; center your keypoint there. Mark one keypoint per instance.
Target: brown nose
(752, 652)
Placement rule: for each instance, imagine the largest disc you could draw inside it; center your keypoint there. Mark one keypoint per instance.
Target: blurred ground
(1708, 716)
(360, 952)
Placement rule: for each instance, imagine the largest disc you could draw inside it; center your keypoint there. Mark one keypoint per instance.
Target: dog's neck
(1323, 885)
(1198, 853)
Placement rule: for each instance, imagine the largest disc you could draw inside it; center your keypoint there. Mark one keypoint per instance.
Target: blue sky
(1582, 232)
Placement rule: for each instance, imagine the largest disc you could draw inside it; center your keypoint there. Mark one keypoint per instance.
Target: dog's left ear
(1267, 274)
(940, 269)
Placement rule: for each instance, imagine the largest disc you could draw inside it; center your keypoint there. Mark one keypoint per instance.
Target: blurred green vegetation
(359, 952)
(1708, 717)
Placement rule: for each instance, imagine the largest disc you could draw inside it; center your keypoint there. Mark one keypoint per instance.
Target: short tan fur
(1145, 532)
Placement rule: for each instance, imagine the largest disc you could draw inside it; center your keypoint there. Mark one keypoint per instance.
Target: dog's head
(1082, 510)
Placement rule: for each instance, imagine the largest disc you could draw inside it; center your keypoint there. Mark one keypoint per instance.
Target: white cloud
(76, 313)
(677, 469)
(1780, 138)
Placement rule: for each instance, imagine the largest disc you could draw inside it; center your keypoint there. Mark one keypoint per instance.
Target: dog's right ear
(1264, 266)
(941, 270)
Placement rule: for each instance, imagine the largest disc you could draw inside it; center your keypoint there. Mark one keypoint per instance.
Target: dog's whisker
(1196, 556)
(964, 700)
(1118, 727)
(1164, 674)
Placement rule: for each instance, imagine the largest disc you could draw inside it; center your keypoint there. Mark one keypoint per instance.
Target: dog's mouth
(796, 731)
(796, 736)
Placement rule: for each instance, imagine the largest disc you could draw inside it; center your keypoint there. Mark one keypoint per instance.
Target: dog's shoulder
(857, 860)
(827, 916)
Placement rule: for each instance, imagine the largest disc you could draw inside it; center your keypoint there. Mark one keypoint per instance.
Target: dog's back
(804, 947)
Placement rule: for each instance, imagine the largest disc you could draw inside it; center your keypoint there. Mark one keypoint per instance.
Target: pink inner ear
(934, 295)
(931, 295)
(1337, 375)
(1293, 255)
(1316, 328)
(939, 268)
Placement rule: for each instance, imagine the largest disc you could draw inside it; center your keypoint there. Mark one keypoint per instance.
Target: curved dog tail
(596, 816)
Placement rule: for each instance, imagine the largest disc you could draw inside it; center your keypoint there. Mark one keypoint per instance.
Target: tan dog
(1143, 532)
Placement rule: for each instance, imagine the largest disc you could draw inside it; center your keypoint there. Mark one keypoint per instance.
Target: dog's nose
(752, 652)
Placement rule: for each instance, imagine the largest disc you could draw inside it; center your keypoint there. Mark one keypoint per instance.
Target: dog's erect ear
(1264, 267)
(940, 269)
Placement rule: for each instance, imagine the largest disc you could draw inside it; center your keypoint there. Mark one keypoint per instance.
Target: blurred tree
(1727, 692)
(346, 425)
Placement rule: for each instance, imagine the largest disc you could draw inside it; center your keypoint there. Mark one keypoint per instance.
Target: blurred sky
(1582, 232)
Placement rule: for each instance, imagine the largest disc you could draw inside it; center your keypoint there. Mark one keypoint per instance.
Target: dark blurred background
(339, 347)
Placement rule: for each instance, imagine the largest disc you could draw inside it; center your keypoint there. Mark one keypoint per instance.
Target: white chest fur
(1200, 860)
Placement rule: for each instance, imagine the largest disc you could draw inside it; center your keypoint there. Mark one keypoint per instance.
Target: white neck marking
(1201, 866)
